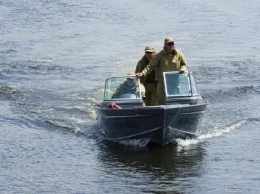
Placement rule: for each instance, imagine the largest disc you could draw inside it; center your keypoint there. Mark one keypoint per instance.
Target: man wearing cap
(148, 81)
(168, 59)
(128, 87)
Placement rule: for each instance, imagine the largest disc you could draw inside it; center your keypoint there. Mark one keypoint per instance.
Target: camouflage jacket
(141, 65)
(124, 88)
(163, 62)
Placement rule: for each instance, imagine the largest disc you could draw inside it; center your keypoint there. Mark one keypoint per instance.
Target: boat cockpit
(125, 91)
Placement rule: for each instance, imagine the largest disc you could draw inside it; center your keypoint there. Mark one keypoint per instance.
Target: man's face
(169, 46)
(131, 82)
(149, 55)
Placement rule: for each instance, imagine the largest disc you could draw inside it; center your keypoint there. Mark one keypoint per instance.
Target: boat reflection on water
(170, 161)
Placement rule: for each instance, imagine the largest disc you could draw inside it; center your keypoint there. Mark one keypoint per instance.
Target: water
(54, 59)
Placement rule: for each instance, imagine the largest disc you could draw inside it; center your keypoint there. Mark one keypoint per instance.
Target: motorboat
(124, 116)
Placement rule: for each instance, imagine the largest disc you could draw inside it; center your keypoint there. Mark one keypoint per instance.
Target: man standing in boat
(168, 59)
(148, 81)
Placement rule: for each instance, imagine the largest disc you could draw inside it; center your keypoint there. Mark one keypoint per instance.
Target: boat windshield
(177, 84)
(126, 87)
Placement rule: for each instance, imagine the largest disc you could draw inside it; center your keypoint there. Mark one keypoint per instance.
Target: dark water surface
(54, 59)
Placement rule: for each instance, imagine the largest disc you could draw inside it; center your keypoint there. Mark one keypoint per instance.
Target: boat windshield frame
(182, 84)
(113, 83)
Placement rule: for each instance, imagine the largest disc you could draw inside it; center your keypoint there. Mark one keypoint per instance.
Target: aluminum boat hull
(124, 116)
(161, 124)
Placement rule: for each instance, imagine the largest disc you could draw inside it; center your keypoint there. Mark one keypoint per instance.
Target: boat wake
(187, 143)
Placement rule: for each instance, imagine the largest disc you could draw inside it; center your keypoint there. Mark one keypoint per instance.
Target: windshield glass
(177, 84)
(126, 87)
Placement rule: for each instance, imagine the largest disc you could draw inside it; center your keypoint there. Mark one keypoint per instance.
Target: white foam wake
(187, 143)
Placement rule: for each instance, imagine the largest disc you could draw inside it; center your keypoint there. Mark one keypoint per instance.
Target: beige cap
(168, 39)
(149, 48)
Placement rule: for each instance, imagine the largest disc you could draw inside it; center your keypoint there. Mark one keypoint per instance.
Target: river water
(54, 59)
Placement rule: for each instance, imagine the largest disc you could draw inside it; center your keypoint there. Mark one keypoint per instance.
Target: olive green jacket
(163, 62)
(141, 65)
